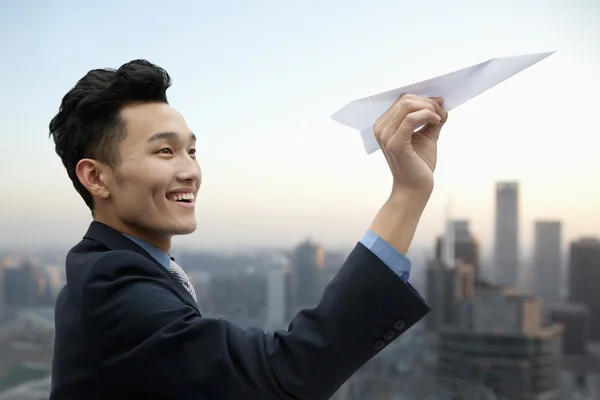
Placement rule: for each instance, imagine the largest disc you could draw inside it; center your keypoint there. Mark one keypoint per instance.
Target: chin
(184, 229)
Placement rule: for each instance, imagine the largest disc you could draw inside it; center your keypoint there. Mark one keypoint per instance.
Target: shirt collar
(163, 258)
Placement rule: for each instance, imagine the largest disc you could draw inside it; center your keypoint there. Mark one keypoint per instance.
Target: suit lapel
(115, 240)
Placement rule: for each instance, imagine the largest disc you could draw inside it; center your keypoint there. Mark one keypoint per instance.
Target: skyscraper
(306, 286)
(506, 251)
(575, 318)
(584, 279)
(277, 295)
(466, 248)
(447, 286)
(547, 260)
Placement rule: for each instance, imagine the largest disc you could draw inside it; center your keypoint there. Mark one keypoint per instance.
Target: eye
(193, 152)
(166, 150)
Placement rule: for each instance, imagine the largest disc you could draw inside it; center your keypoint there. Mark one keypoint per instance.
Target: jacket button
(389, 335)
(400, 325)
(379, 345)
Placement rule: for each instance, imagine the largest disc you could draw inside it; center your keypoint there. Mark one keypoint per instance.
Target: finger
(382, 122)
(406, 107)
(385, 117)
(437, 102)
(413, 121)
(411, 103)
(439, 107)
(434, 131)
(391, 110)
(444, 117)
(386, 126)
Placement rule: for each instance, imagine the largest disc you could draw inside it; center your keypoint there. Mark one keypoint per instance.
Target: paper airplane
(455, 87)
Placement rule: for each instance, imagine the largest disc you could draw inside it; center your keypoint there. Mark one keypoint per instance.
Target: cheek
(134, 193)
(143, 187)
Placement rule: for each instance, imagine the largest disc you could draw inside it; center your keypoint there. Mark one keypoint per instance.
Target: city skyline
(426, 243)
(276, 169)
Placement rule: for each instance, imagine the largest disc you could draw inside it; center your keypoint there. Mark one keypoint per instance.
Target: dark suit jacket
(126, 329)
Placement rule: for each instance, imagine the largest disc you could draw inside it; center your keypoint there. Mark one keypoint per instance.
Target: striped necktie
(182, 277)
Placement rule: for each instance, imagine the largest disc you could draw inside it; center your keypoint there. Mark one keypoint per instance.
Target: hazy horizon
(257, 83)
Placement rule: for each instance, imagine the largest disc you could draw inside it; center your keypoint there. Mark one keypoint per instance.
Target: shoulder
(93, 270)
(119, 271)
(115, 264)
(124, 291)
(90, 260)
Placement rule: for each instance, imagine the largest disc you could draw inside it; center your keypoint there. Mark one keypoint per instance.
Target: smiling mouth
(181, 197)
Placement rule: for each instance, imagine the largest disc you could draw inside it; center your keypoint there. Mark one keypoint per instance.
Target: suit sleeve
(146, 336)
(390, 256)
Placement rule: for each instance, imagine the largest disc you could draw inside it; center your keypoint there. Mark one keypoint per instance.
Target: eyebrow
(169, 136)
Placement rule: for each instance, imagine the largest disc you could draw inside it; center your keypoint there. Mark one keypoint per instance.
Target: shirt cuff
(391, 257)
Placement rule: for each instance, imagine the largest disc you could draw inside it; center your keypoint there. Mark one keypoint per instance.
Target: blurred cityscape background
(507, 253)
(504, 327)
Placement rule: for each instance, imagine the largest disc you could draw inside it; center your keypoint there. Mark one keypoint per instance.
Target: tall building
(575, 319)
(446, 289)
(276, 314)
(547, 260)
(306, 281)
(466, 247)
(501, 344)
(506, 249)
(439, 248)
(584, 279)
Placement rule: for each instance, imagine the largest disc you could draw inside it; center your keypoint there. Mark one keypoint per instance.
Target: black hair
(89, 124)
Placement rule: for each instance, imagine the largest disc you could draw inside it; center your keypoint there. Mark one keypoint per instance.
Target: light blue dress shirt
(163, 258)
(391, 257)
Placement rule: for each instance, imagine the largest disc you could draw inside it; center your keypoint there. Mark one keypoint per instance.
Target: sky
(257, 82)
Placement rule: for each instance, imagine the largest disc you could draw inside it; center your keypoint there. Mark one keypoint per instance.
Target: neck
(163, 242)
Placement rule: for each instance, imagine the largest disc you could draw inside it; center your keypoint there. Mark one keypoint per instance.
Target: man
(128, 325)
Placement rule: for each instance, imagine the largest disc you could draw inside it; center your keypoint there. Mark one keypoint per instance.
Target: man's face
(153, 190)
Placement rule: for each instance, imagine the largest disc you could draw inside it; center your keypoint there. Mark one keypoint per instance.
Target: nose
(189, 171)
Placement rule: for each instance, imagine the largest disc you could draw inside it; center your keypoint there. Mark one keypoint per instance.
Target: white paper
(455, 87)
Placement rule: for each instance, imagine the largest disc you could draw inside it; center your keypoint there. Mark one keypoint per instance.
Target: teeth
(181, 196)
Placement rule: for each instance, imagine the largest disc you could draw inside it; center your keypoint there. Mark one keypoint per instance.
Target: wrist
(397, 220)
(413, 199)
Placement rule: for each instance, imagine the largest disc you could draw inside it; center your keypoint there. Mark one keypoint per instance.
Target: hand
(411, 156)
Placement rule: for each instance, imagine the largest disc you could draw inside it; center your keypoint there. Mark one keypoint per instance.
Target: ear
(92, 175)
